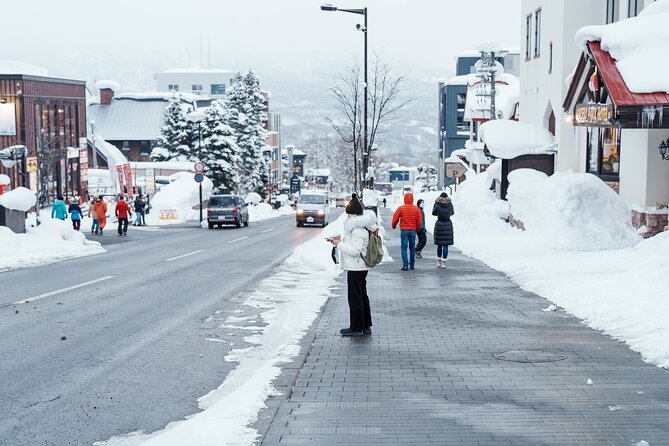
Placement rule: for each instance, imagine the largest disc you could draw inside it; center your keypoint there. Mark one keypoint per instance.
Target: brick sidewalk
(428, 375)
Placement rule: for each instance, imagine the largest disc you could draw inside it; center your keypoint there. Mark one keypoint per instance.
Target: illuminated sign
(594, 115)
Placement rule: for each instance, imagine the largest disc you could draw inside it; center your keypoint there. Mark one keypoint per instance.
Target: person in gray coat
(443, 228)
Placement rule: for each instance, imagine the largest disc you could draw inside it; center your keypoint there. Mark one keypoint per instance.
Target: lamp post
(198, 117)
(363, 28)
(663, 150)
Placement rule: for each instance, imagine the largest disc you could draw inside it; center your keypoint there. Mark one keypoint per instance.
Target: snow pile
(620, 291)
(507, 95)
(19, 199)
(570, 211)
(253, 198)
(229, 411)
(370, 198)
(264, 211)
(178, 201)
(507, 139)
(4, 179)
(637, 44)
(112, 85)
(52, 241)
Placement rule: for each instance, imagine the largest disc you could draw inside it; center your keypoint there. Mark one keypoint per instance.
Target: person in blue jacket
(77, 214)
(58, 209)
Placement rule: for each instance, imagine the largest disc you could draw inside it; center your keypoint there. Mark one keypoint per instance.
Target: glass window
(612, 11)
(312, 199)
(217, 88)
(632, 8)
(197, 87)
(537, 33)
(528, 37)
(603, 147)
(173, 87)
(221, 201)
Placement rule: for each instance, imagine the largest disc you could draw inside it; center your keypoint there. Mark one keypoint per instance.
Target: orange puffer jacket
(408, 216)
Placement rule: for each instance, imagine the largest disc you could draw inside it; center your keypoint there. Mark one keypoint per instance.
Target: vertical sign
(119, 173)
(83, 166)
(128, 179)
(150, 181)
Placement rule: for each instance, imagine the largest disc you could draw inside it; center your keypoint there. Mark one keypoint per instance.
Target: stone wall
(655, 222)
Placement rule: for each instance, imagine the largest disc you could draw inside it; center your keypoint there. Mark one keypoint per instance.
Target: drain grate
(530, 356)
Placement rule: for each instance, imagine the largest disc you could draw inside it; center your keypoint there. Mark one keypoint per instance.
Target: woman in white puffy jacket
(352, 247)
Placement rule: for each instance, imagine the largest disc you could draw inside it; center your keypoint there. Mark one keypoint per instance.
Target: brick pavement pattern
(427, 375)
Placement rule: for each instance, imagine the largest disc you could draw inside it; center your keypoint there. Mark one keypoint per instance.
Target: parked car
(313, 208)
(342, 200)
(227, 210)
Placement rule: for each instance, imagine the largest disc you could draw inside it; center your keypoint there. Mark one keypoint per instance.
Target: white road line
(267, 230)
(184, 255)
(62, 290)
(238, 239)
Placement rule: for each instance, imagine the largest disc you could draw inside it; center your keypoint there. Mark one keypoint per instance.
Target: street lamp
(365, 151)
(198, 117)
(663, 150)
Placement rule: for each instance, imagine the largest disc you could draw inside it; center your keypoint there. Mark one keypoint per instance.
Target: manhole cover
(530, 356)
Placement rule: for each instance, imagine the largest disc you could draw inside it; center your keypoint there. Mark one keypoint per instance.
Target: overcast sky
(133, 38)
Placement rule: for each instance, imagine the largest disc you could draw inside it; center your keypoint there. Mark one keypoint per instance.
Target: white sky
(122, 38)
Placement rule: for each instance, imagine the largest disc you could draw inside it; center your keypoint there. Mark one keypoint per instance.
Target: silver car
(227, 210)
(313, 208)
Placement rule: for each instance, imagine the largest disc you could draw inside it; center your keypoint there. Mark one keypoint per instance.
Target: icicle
(661, 113)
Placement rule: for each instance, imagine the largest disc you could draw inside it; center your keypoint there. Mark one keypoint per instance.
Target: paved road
(428, 375)
(143, 342)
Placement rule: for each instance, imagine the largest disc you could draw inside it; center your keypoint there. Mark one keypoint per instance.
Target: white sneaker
(443, 263)
(439, 263)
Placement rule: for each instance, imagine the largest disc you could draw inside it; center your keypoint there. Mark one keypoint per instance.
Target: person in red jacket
(410, 220)
(122, 213)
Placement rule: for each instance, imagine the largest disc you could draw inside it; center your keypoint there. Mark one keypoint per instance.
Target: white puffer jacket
(355, 240)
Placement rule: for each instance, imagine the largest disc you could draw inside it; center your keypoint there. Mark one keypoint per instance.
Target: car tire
(246, 222)
(220, 225)
(238, 224)
(299, 225)
(210, 225)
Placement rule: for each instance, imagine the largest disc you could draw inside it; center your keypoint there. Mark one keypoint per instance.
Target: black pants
(422, 240)
(76, 224)
(122, 226)
(358, 301)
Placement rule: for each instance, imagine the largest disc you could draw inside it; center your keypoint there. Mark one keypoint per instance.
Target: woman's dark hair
(443, 195)
(419, 202)
(60, 197)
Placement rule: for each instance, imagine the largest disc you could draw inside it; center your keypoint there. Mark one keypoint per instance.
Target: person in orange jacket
(100, 208)
(410, 220)
(123, 213)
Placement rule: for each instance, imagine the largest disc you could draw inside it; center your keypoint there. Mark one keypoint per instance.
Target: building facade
(211, 83)
(48, 116)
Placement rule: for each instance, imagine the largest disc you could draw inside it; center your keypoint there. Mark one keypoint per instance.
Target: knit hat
(354, 206)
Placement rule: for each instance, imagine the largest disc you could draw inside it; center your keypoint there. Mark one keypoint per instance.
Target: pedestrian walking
(422, 232)
(384, 202)
(139, 211)
(443, 227)
(58, 208)
(410, 220)
(76, 215)
(100, 209)
(122, 212)
(353, 246)
(95, 227)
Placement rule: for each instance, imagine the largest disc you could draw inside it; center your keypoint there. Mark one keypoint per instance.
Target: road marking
(238, 239)
(62, 290)
(184, 255)
(267, 230)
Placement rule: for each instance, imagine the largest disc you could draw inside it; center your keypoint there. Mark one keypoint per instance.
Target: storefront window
(604, 151)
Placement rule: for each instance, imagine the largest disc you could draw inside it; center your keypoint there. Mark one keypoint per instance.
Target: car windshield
(221, 201)
(312, 199)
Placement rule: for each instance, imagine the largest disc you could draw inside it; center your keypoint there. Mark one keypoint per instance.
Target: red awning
(615, 84)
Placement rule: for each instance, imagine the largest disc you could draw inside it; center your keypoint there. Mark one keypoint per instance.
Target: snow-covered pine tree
(176, 134)
(245, 104)
(219, 150)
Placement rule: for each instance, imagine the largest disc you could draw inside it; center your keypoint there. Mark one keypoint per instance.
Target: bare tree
(383, 103)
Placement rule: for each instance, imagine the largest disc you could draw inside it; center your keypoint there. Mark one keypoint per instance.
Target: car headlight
(321, 212)
(300, 211)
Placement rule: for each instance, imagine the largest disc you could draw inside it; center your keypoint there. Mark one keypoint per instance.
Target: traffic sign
(199, 167)
(199, 177)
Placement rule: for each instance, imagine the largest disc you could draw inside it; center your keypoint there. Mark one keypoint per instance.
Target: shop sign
(31, 164)
(594, 114)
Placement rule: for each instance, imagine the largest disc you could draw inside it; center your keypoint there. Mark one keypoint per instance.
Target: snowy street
(142, 325)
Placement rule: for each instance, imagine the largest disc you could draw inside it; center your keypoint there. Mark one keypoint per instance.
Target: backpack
(374, 249)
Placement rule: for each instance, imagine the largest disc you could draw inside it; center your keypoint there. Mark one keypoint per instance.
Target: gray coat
(443, 228)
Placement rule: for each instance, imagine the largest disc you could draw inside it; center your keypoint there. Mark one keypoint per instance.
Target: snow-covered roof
(639, 45)
(111, 153)
(402, 168)
(319, 172)
(197, 70)
(509, 139)
(15, 67)
(164, 165)
(157, 95)
(465, 79)
(130, 117)
(112, 85)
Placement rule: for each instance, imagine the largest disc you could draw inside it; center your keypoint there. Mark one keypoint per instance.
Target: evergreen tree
(245, 104)
(219, 149)
(176, 134)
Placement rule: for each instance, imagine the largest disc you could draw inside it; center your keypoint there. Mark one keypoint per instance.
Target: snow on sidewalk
(289, 311)
(579, 251)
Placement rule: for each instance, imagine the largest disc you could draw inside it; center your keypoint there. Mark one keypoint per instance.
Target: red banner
(130, 190)
(119, 172)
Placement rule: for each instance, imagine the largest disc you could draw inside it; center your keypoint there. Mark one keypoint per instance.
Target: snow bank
(253, 198)
(264, 211)
(288, 313)
(570, 211)
(178, 201)
(637, 44)
(4, 179)
(52, 241)
(508, 139)
(19, 199)
(618, 289)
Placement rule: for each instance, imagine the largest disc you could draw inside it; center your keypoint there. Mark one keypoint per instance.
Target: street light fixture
(363, 28)
(197, 117)
(663, 150)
